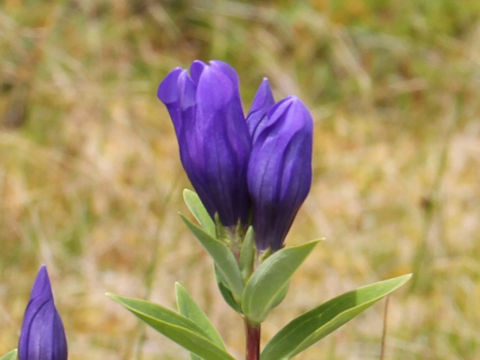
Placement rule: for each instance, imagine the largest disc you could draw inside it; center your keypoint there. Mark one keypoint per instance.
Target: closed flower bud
(280, 169)
(205, 107)
(42, 336)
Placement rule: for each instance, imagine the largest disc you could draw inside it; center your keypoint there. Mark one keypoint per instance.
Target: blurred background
(91, 181)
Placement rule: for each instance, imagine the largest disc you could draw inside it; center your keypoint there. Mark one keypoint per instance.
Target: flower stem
(252, 332)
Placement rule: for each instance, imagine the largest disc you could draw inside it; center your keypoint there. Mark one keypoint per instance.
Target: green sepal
(176, 327)
(199, 211)
(312, 326)
(220, 231)
(247, 253)
(187, 307)
(12, 355)
(264, 287)
(222, 256)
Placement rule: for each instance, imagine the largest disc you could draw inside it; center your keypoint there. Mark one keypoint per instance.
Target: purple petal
(177, 92)
(196, 70)
(168, 89)
(225, 144)
(262, 102)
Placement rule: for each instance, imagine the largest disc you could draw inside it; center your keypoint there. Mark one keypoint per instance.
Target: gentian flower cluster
(42, 336)
(245, 169)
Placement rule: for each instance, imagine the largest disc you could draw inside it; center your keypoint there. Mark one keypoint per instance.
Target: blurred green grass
(90, 180)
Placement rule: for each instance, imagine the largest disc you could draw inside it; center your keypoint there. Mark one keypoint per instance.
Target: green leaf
(174, 326)
(247, 253)
(195, 357)
(226, 292)
(223, 257)
(264, 287)
(280, 296)
(12, 355)
(312, 326)
(188, 308)
(197, 209)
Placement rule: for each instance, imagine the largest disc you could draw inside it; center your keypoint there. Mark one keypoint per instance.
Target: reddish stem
(252, 341)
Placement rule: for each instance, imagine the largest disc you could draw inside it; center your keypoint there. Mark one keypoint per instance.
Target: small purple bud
(42, 336)
(205, 107)
(280, 170)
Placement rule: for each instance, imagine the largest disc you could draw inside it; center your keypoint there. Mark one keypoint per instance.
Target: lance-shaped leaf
(312, 326)
(226, 292)
(188, 308)
(174, 326)
(12, 355)
(265, 286)
(223, 257)
(197, 209)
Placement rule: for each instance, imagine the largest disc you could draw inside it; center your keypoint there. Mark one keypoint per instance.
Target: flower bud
(42, 336)
(212, 135)
(279, 170)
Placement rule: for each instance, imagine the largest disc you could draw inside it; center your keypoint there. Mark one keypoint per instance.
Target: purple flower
(280, 167)
(261, 164)
(42, 336)
(205, 107)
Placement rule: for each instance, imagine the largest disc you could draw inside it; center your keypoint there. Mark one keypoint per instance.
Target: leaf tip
(178, 287)
(312, 243)
(406, 277)
(186, 192)
(112, 296)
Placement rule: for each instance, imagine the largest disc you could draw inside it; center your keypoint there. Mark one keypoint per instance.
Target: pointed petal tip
(266, 83)
(41, 286)
(43, 270)
(42, 275)
(265, 86)
(262, 101)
